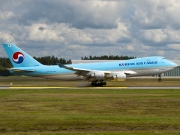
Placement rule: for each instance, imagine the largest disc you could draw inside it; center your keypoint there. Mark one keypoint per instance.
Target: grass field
(88, 111)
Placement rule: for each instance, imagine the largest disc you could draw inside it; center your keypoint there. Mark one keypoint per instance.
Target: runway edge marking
(21, 87)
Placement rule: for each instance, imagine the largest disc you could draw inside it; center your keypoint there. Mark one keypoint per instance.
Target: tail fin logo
(18, 57)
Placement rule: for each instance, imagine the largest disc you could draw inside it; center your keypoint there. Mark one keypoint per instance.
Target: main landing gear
(98, 83)
(159, 79)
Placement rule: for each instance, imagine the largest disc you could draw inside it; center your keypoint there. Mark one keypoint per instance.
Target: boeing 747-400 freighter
(97, 73)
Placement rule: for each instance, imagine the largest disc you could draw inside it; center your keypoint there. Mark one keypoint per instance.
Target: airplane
(96, 73)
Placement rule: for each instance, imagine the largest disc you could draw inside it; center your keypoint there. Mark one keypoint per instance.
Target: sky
(72, 29)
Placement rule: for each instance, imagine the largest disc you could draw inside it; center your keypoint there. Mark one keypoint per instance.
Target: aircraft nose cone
(174, 64)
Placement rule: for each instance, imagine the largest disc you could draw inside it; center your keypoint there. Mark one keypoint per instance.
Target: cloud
(6, 37)
(78, 13)
(156, 14)
(154, 35)
(76, 28)
(175, 47)
(43, 32)
(6, 15)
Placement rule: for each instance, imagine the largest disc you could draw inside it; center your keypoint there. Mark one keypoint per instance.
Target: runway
(58, 87)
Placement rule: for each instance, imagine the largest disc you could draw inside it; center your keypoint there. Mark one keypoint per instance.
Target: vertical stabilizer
(18, 57)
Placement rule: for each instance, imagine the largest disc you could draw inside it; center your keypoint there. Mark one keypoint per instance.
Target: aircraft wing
(19, 70)
(78, 71)
(86, 73)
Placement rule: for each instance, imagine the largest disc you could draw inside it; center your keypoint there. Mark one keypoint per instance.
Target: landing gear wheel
(94, 83)
(98, 83)
(159, 80)
(104, 83)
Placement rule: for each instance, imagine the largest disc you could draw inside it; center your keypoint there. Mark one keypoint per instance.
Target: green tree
(51, 60)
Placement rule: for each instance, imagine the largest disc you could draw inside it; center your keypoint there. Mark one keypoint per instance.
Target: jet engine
(120, 76)
(99, 75)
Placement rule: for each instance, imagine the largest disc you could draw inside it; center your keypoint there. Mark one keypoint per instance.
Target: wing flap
(78, 71)
(88, 74)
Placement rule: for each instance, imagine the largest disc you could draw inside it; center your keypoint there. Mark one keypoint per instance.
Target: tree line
(4, 63)
(51, 60)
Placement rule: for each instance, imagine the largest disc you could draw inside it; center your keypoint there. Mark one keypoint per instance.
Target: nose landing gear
(159, 79)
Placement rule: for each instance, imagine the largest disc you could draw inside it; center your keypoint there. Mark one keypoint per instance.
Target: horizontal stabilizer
(19, 70)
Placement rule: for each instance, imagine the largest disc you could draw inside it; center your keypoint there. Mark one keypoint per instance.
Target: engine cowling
(97, 75)
(118, 76)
